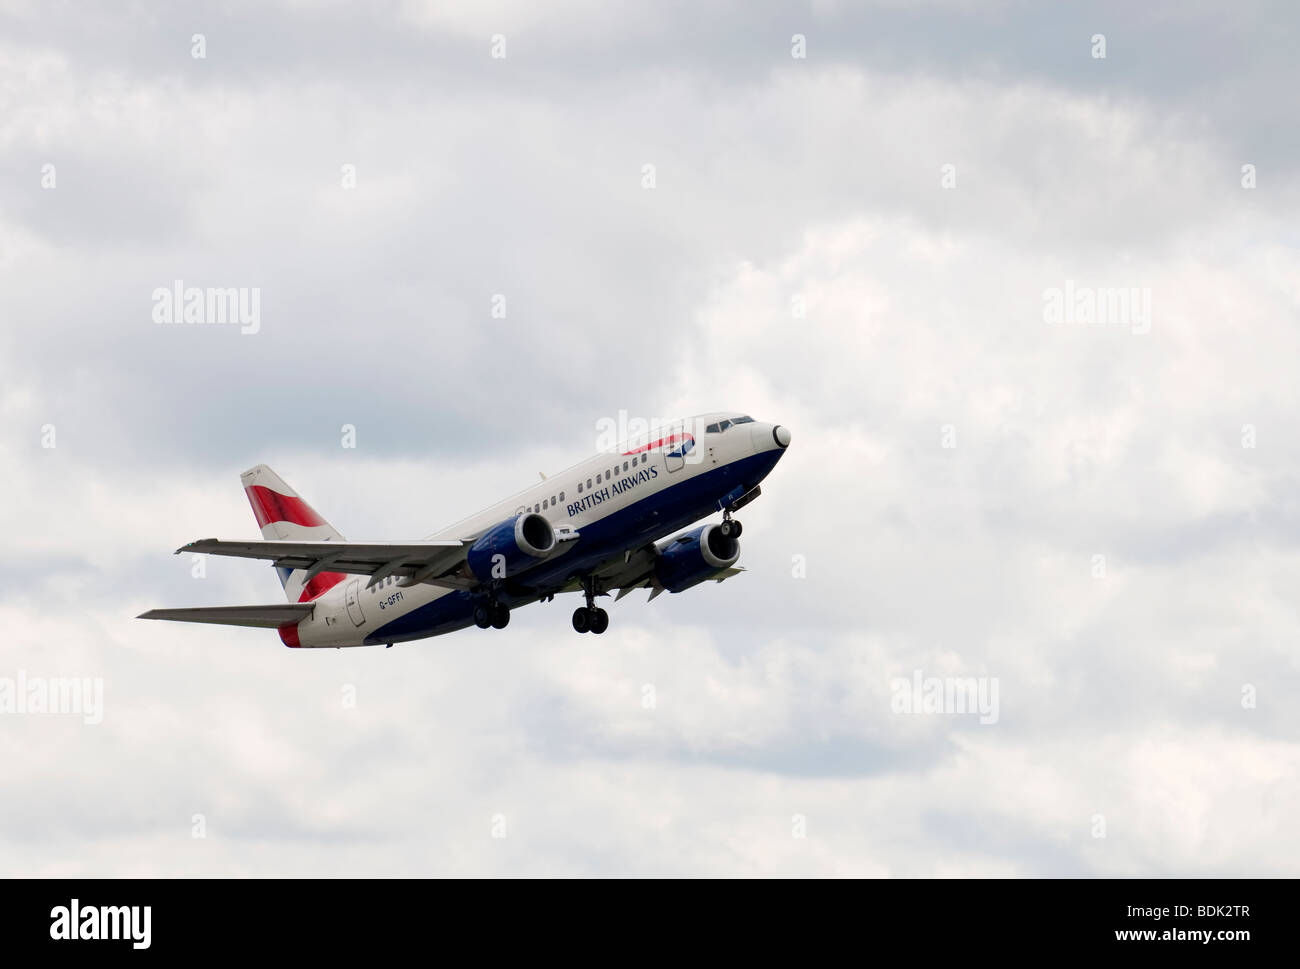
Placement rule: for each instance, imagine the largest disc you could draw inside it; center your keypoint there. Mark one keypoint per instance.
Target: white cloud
(923, 307)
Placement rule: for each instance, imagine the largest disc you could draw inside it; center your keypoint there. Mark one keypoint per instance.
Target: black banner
(332, 917)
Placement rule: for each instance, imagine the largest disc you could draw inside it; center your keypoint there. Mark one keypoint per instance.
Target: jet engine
(690, 559)
(510, 547)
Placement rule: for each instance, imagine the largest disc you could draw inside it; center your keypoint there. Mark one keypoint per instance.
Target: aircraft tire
(581, 620)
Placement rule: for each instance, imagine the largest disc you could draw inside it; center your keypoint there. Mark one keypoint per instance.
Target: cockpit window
(723, 425)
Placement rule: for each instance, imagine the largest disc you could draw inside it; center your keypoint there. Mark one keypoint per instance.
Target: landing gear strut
(590, 618)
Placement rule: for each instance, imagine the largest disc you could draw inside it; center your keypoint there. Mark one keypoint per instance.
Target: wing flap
(262, 617)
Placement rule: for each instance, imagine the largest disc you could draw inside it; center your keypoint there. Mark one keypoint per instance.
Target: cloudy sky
(859, 232)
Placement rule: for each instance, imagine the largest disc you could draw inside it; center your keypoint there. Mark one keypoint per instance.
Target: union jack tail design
(284, 516)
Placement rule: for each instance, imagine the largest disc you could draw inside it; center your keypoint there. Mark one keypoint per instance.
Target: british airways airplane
(597, 527)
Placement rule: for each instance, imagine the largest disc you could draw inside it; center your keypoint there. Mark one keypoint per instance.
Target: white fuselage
(616, 501)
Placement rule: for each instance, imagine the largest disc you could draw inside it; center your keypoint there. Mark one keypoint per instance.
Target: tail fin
(284, 516)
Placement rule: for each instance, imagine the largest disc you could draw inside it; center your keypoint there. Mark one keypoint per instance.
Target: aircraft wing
(637, 571)
(415, 562)
(263, 617)
(648, 582)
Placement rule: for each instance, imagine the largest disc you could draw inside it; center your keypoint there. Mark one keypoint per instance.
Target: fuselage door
(676, 445)
(353, 600)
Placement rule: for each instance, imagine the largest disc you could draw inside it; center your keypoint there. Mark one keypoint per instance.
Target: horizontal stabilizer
(263, 617)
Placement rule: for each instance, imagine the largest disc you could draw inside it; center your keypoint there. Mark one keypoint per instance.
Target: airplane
(599, 526)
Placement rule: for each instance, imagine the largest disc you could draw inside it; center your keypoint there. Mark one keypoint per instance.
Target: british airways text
(616, 488)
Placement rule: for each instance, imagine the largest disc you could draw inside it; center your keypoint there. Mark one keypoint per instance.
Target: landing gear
(730, 527)
(590, 618)
(492, 614)
(500, 616)
(595, 620)
(581, 619)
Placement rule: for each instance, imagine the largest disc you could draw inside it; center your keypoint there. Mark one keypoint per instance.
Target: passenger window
(588, 482)
(579, 487)
(625, 467)
(561, 496)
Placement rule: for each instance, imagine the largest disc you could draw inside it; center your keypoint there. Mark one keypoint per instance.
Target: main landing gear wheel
(730, 528)
(590, 618)
(593, 620)
(492, 614)
(581, 619)
(500, 616)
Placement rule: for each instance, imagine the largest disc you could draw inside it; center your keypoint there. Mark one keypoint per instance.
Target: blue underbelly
(642, 522)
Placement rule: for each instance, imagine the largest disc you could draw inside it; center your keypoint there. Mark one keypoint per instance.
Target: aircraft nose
(781, 434)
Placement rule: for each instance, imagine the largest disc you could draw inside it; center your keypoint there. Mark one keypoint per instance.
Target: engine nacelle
(690, 559)
(520, 542)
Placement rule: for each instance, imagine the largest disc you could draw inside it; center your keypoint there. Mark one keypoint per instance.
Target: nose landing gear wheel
(483, 615)
(730, 528)
(581, 620)
(599, 620)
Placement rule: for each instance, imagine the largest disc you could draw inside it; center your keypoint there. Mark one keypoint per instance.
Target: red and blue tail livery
(609, 525)
(282, 514)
